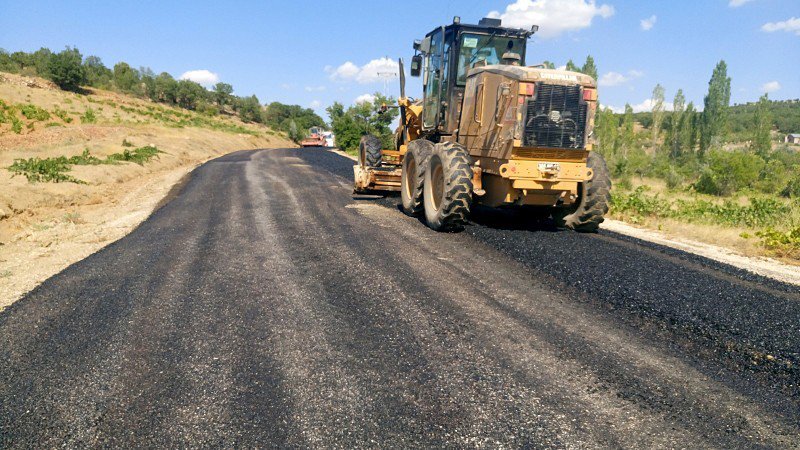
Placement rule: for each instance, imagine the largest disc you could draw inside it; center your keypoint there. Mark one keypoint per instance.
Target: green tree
(728, 172)
(571, 66)
(589, 67)
(294, 134)
(189, 94)
(658, 114)
(714, 118)
(250, 110)
(126, 79)
(677, 120)
(627, 135)
(166, 88)
(279, 116)
(606, 130)
(761, 143)
(97, 74)
(689, 129)
(361, 119)
(548, 65)
(222, 94)
(66, 69)
(41, 61)
(21, 61)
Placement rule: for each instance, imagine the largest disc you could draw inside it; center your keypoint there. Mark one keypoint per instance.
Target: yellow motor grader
(491, 131)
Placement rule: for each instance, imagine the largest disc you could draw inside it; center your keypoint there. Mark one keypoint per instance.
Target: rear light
(589, 94)
(526, 89)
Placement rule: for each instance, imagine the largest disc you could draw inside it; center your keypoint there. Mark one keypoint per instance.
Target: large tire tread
(418, 150)
(587, 216)
(456, 201)
(370, 151)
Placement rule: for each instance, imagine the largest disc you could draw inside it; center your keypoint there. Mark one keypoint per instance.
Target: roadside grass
(24, 116)
(55, 169)
(776, 222)
(89, 116)
(35, 113)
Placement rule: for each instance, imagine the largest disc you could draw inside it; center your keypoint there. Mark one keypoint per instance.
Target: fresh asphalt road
(265, 306)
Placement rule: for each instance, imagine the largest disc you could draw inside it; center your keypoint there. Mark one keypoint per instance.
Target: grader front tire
(447, 193)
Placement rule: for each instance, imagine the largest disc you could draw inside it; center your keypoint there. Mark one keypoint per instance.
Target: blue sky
(298, 52)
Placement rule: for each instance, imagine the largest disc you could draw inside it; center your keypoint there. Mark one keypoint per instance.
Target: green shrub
(85, 159)
(54, 169)
(48, 169)
(33, 112)
(783, 243)
(792, 189)
(89, 116)
(63, 115)
(16, 125)
(728, 172)
(760, 212)
(139, 156)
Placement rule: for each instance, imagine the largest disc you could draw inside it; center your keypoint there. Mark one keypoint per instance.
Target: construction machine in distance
(316, 138)
(490, 130)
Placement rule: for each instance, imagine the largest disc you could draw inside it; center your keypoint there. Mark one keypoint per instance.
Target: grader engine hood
(525, 109)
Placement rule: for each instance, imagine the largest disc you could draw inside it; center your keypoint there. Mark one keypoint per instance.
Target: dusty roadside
(759, 265)
(45, 227)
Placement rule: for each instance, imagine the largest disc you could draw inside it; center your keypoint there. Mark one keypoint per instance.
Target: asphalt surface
(265, 306)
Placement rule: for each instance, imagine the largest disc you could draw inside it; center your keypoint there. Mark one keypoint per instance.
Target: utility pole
(386, 76)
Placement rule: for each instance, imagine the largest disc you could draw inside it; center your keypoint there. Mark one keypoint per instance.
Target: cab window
(481, 49)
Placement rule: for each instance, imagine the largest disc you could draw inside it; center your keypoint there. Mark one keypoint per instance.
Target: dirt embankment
(45, 227)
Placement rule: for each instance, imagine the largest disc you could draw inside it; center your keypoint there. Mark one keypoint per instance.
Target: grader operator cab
(491, 131)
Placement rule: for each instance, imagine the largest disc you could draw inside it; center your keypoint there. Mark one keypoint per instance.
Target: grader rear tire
(413, 178)
(369, 151)
(587, 215)
(447, 193)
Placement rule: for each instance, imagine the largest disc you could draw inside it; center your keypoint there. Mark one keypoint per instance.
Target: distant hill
(785, 117)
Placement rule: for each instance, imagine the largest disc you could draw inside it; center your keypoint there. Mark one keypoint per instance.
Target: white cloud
(738, 3)
(315, 104)
(790, 26)
(315, 88)
(288, 86)
(364, 98)
(772, 86)
(648, 23)
(371, 72)
(644, 106)
(647, 105)
(616, 78)
(346, 71)
(201, 76)
(554, 17)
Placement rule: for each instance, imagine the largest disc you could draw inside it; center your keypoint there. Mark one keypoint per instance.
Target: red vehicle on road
(315, 138)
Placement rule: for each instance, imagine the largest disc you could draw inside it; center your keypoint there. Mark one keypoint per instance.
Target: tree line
(71, 71)
(721, 150)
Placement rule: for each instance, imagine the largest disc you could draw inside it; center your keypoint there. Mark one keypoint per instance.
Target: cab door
(434, 75)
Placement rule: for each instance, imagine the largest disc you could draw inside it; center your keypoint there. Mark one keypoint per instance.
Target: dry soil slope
(44, 227)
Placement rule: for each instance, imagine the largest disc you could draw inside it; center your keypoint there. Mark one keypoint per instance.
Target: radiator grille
(555, 117)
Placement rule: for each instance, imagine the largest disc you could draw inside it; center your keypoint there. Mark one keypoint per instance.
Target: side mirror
(416, 65)
(425, 45)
